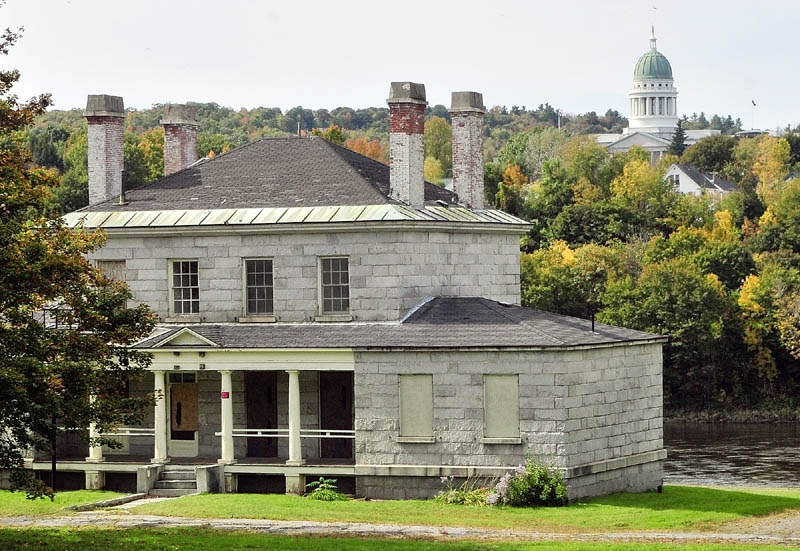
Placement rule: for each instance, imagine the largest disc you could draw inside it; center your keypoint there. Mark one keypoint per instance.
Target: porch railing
(130, 431)
(284, 433)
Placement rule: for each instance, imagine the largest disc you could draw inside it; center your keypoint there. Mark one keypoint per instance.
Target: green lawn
(15, 504)
(208, 540)
(679, 508)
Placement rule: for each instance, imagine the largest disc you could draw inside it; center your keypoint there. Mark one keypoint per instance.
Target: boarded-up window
(501, 406)
(112, 268)
(416, 405)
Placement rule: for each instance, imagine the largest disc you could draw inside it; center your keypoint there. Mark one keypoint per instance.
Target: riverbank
(711, 416)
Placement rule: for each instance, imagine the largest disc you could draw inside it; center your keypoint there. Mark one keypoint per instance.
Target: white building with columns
(653, 109)
(323, 314)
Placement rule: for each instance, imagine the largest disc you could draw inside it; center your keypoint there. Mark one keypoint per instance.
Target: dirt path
(780, 529)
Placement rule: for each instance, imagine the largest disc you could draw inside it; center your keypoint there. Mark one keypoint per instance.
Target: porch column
(160, 417)
(226, 399)
(295, 450)
(95, 452)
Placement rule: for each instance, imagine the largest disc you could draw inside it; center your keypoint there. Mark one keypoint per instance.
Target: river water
(732, 454)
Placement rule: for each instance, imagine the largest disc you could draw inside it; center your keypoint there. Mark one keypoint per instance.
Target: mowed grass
(678, 508)
(211, 540)
(15, 504)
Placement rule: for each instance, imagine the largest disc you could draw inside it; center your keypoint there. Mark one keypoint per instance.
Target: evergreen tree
(678, 145)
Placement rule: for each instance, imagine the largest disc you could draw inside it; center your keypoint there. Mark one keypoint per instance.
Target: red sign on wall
(225, 394)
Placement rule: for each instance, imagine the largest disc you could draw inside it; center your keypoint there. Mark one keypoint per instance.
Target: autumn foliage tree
(367, 147)
(64, 325)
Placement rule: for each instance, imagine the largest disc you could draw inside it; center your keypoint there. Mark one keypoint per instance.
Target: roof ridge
(339, 149)
(205, 159)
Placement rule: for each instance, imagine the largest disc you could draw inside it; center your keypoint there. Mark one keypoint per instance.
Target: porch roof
(444, 322)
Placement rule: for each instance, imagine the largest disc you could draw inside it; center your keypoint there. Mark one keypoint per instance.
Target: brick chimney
(406, 142)
(467, 113)
(106, 118)
(180, 137)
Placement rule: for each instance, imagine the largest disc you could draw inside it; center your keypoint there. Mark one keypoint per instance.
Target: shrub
(324, 490)
(529, 485)
(468, 493)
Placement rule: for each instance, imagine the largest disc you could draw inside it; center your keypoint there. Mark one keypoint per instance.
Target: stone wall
(390, 272)
(457, 408)
(596, 413)
(614, 403)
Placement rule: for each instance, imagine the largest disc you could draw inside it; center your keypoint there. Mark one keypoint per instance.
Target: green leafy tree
(675, 298)
(213, 143)
(678, 144)
(542, 146)
(73, 193)
(333, 134)
(433, 171)
(710, 154)
(439, 143)
(47, 376)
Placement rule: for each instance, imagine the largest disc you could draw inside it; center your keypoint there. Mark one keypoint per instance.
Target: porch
(252, 420)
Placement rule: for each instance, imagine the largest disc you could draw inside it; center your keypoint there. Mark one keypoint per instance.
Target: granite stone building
(323, 314)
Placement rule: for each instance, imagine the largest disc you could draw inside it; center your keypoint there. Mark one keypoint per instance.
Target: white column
(295, 450)
(160, 417)
(95, 452)
(226, 399)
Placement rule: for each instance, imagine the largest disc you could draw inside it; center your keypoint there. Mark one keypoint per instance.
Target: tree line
(613, 238)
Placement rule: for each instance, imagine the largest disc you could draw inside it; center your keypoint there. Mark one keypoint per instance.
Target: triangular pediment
(184, 337)
(642, 139)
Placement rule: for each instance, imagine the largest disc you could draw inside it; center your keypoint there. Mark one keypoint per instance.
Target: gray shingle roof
(271, 172)
(704, 181)
(468, 322)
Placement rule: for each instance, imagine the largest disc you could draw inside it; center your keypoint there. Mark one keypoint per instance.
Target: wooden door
(261, 405)
(183, 411)
(336, 412)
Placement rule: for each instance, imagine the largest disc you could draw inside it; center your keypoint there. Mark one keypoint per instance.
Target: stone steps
(170, 492)
(175, 481)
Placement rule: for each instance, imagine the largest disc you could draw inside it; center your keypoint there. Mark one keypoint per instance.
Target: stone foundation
(637, 478)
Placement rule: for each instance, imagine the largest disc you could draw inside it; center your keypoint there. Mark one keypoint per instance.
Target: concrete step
(175, 484)
(176, 475)
(170, 492)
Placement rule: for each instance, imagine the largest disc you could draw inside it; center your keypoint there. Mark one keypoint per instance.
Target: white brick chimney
(467, 113)
(406, 142)
(180, 137)
(106, 136)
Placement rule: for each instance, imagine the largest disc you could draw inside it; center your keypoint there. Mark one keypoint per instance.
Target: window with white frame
(185, 288)
(501, 406)
(258, 287)
(335, 285)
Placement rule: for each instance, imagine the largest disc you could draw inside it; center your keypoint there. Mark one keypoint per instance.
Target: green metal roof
(283, 215)
(652, 65)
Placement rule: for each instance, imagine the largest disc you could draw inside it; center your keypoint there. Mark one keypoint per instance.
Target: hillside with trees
(610, 238)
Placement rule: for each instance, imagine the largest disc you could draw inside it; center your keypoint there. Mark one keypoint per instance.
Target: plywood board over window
(114, 269)
(416, 408)
(501, 409)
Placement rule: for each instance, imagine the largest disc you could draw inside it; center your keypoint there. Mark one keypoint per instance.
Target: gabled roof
(703, 181)
(271, 173)
(445, 322)
(639, 138)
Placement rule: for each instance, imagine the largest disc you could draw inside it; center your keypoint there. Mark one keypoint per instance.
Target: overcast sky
(577, 55)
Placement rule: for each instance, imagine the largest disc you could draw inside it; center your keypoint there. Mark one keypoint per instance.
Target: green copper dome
(652, 65)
